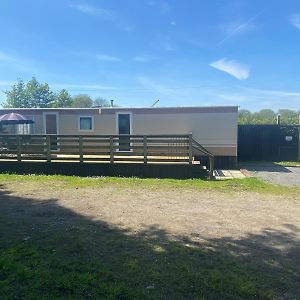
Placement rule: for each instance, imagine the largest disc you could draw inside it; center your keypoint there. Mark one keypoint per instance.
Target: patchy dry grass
(116, 238)
(230, 185)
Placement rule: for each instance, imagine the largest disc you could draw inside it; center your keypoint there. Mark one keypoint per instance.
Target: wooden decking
(93, 149)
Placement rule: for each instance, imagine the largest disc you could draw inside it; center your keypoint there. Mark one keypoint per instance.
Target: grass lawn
(288, 163)
(116, 238)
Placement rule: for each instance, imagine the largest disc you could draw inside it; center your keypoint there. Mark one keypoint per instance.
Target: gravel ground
(289, 176)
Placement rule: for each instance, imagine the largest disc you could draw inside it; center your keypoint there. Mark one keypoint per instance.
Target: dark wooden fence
(101, 148)
(268, 143)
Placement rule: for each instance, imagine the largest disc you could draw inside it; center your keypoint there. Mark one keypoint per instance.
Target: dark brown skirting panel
(175, 171)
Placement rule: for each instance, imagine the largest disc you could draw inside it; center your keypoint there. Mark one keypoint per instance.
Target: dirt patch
(147, 243)
(179, 211)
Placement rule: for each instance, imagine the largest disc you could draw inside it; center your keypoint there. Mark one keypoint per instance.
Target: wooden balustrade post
(190, 149)
(48, 145)
(111, 147)
(19, 152)
(145, 149)
(80, 149)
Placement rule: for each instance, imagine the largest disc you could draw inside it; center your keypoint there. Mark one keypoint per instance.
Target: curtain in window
(24, 129)
(85, 123)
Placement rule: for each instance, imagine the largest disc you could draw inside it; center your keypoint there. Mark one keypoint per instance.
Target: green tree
(33, 94)
(264, 116)
(245, 116)
(289, 116)
(17, 96)
(82, 101)
(63, 99)
(40, 94)
(268, 116)
(101, 102)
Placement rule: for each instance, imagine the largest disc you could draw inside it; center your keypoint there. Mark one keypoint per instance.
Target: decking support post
(145, 149)
(48, 144)
(19, 153)
(80, 149)
(211, 167)
(111, 147)
(190, 149)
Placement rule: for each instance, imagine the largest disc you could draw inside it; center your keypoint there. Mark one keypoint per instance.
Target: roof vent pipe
(112, 103)
(278, 119)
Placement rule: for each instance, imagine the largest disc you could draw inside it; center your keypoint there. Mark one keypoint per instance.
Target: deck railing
(200, 149)
(101, 148)
(110, 148)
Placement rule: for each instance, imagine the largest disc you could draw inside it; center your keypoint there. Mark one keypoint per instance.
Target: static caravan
(215, 128)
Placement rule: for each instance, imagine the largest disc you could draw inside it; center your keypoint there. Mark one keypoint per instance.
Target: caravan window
(86, 124)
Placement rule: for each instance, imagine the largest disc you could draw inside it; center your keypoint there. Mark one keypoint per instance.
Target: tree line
(268, 116)
(34, 94)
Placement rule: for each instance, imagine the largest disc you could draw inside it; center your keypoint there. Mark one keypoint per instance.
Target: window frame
(92, 124)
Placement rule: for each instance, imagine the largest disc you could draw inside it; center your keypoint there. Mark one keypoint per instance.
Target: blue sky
(184, 53)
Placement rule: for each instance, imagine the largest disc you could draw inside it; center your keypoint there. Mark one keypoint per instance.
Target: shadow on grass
(51, 252)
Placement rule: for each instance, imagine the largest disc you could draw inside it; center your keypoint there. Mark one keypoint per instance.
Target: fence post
(111, 147)
(190, 148)
(211, 167)
(48, 144)
(19, 153)
(145, 149)
(80, 149)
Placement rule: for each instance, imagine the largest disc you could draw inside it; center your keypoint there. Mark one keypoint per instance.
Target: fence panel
(268, 142)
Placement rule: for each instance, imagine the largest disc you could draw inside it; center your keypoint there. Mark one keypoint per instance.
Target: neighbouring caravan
(215, 128)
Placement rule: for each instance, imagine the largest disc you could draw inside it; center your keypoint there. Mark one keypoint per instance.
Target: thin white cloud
(18, 63)
(242, 27)
(105, 15)
(164, 42)
(144, 58)
(173, 23)
(231, 67)
(257, 98)
(275, 93)
(110, 58)
(236, 27)
(82, 87)
(6, 57)
(295, 20)
(167, 46)
(94, 11)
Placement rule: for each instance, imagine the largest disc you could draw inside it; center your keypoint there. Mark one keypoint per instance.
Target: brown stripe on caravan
(108, 110)
(40, 111)
(172, 110)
